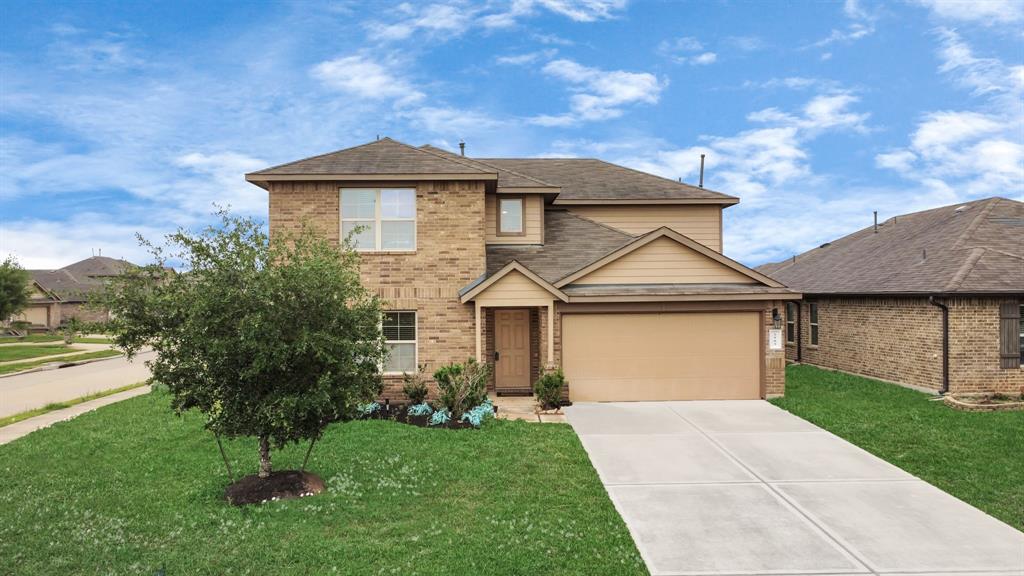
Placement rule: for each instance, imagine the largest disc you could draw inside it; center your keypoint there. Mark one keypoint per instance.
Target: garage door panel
(670, 356)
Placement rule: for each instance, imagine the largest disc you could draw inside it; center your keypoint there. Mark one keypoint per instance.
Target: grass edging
(8, 420)
(22, 367)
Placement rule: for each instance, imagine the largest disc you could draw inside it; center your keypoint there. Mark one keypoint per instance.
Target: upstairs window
(400, 338)
(791, 308)
(510, 217)
(813, 313)
(384, 217)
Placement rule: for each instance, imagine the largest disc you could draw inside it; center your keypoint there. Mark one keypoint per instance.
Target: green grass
(9, 353)
(975, 456)
(131, 487)
(7, 420)
(19, 366)
(54, 338)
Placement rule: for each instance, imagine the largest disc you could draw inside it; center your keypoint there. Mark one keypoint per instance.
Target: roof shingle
(977, 247)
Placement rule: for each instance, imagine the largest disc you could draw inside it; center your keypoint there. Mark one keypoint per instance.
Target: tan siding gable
(514, 289)
(664, 261)
(700, 223)
(533, 208)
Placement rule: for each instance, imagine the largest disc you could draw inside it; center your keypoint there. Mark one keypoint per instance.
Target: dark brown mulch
(282, 485)
(399, 413)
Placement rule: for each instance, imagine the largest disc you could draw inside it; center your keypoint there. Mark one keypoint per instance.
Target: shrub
(415, 387)
(440, 417)
(462, 386)
(479, 413)
(548, 389)
(423, 409)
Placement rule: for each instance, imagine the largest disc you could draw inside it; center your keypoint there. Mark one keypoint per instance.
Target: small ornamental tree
(14, 289)
(271, 339)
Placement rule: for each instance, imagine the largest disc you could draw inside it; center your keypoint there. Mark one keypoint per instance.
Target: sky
(125, 118)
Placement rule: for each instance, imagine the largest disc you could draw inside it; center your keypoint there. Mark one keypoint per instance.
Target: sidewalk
(19, 429)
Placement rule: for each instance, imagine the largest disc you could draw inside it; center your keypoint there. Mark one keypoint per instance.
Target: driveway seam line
(814, 522)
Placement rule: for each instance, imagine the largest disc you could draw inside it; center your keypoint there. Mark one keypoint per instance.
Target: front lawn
(975, 456)
(131, 488)
(9, 353)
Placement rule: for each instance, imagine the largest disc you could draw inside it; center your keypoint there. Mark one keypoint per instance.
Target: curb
(57, 365)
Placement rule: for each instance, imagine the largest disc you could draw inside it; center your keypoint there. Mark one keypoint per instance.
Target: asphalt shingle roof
(590, 179)
(76, 282)
(570, 243)
(384, 156)
(977, 247)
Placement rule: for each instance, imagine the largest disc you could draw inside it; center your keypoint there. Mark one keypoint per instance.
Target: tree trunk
(264, 457)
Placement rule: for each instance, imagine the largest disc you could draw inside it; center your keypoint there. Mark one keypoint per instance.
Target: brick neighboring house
(62, 294)
(932, 299)
(615, 275)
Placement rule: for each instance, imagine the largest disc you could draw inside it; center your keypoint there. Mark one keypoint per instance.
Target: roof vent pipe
(462, 147)
(701, 184)
(876, 221)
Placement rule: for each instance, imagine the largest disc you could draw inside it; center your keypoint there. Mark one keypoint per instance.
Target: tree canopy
(14, 288)
(273, 339)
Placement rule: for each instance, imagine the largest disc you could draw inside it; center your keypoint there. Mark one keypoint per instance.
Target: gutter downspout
(945, 343)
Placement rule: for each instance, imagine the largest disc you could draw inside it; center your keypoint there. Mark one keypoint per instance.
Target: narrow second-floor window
(379, 218)
(813, 323)
(510, 216)
(791, 308)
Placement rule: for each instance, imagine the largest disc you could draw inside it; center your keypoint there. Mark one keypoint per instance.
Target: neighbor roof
(971, 248)
(584, 180)
(75, 282)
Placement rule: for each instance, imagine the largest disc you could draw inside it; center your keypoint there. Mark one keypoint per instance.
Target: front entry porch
(517, 341)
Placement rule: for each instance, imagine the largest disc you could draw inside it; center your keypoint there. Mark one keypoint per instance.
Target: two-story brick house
(615, 275)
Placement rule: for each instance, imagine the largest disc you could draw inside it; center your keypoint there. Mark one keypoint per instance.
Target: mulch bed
(281, 485)
(399, 413)
(984, 402)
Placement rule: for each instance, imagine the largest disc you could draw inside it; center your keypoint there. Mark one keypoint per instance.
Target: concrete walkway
(18, 429)
(37, 389)
(745, 488)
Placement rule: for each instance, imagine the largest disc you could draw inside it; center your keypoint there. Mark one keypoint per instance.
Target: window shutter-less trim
(1009, 335)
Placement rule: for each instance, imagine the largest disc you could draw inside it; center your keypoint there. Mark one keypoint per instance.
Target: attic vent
(825, 245)
(961, 208)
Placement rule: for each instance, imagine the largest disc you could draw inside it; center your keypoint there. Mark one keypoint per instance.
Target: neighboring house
(615, 275)
(931, 299)
(62, 294)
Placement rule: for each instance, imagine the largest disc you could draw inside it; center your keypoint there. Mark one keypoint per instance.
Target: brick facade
(900, 340)
(449, 254)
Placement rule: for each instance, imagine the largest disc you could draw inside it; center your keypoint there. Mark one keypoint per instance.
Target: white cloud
(584, 10)
(985, 12)
(365, 78)
(552, 39)
(862, 25)
(434, 20)
(978, 152)
(686, 50)
(49, 244)
(600, 94)
(526, 58)
(746, 43)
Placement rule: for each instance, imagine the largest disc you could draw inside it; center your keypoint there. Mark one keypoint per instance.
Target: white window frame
(415, 342)
(378, 219)
(522, 216)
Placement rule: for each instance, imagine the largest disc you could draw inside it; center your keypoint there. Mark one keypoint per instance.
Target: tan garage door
(670, 356)
(37, 315)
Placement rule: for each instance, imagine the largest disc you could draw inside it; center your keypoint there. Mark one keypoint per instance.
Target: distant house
(60, 295)
(932, 299)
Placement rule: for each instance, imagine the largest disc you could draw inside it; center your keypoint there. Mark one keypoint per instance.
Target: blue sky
(125, 117)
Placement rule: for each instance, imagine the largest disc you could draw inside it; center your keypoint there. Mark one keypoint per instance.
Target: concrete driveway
(743, 487)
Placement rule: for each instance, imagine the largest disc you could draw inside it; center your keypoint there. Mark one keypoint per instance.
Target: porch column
(551, 334)
(479, 347)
